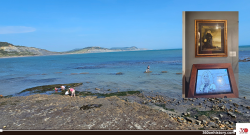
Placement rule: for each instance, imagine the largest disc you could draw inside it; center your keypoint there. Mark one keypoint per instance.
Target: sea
(99, 71)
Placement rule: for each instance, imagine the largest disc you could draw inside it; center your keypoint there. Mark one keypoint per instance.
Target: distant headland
(10, 50)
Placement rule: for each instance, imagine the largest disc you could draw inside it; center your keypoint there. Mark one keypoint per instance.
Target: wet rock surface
(244, 60)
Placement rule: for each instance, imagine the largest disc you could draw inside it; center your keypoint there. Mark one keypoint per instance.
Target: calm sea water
(17, 74)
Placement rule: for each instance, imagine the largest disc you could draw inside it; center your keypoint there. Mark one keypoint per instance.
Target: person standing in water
(148, 68)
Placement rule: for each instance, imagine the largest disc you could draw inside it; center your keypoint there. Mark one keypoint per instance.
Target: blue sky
(62, 25)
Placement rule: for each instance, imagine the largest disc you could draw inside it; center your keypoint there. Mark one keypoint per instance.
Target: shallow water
(17, 74)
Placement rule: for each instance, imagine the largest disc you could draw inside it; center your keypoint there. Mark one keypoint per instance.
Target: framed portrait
(210, 38)
(212, 81)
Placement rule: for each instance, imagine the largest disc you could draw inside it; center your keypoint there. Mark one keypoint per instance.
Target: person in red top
(72, 92)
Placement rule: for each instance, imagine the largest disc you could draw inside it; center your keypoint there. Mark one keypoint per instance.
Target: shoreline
(202, 113)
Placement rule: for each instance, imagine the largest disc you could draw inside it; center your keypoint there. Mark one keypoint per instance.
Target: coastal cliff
(8, 50)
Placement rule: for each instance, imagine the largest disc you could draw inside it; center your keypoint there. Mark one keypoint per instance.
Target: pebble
(97, 89)
(232, 115)
(198, 122)
(204, 122)
(221, 115)
(202, 117)
(211, 124)
(230, 122)
(4, 126)
(245, 98)
(190, 119)
(223, 107)
(236, 105)
(215, 118)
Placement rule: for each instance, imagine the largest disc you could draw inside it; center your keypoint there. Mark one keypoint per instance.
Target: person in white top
(63, 87)
(67, 92)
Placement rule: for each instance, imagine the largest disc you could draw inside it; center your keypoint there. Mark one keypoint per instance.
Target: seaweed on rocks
(216, 115)
(164, 107)
(45, 88)
(49, 89)
(125, 93)
(90, 106)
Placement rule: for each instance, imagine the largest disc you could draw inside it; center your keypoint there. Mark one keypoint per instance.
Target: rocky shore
(120, 111)
(39, 112)
(244, 60)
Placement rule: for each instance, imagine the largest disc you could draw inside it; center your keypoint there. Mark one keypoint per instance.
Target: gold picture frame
(211, 38)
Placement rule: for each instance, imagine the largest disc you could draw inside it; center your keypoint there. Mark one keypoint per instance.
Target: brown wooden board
(193, 80)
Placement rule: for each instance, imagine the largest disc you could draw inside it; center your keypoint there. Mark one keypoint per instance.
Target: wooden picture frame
(210, 81)
(211, 38)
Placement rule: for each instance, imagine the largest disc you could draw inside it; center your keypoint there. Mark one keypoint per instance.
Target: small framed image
(212, 81)
(210, 38)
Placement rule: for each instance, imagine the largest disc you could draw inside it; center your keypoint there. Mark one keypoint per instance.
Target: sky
(63, 25)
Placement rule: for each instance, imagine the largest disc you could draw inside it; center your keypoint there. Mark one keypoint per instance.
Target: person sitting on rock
(72, 92)
(56, 88)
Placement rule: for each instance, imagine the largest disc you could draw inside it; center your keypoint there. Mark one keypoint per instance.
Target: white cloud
(16, 29)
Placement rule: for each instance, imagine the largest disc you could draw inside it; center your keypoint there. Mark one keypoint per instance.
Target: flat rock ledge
(47, 112)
